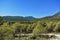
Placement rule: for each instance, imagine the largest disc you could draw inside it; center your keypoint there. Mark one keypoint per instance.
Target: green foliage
(5, 28)
(1, 20)
(40, 28)
(20, 25)
(50, 27)
(57, 28)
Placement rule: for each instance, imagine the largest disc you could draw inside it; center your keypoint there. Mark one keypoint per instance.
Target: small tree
(1, 20)
(57, 28)
(39, 28)
(50, 27)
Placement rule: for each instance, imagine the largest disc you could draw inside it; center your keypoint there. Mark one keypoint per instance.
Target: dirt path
(57, 37)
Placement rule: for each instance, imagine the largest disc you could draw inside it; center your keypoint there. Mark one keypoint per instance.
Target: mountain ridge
(30, 18)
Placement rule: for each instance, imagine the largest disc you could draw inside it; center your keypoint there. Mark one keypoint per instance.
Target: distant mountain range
(30, 18)
(18, 18)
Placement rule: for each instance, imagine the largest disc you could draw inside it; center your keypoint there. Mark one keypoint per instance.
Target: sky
(35, 8)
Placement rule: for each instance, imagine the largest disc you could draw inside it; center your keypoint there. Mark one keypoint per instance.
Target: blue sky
(35, 8)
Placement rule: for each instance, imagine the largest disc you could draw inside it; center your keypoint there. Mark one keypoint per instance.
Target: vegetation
(9, 28)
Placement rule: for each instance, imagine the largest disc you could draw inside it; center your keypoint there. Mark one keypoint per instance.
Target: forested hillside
(18, 18)
(12, 25)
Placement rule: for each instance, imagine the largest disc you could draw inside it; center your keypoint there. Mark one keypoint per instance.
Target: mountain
(30, 18)
(57, 15)
(18, 18)
(53, 17)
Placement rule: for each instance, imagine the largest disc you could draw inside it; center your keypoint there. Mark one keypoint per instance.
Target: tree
(6, 31)
(39, 28)
(1, 20)
(29, 29)
(19, 27)
(50, 27)
(57, 28)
